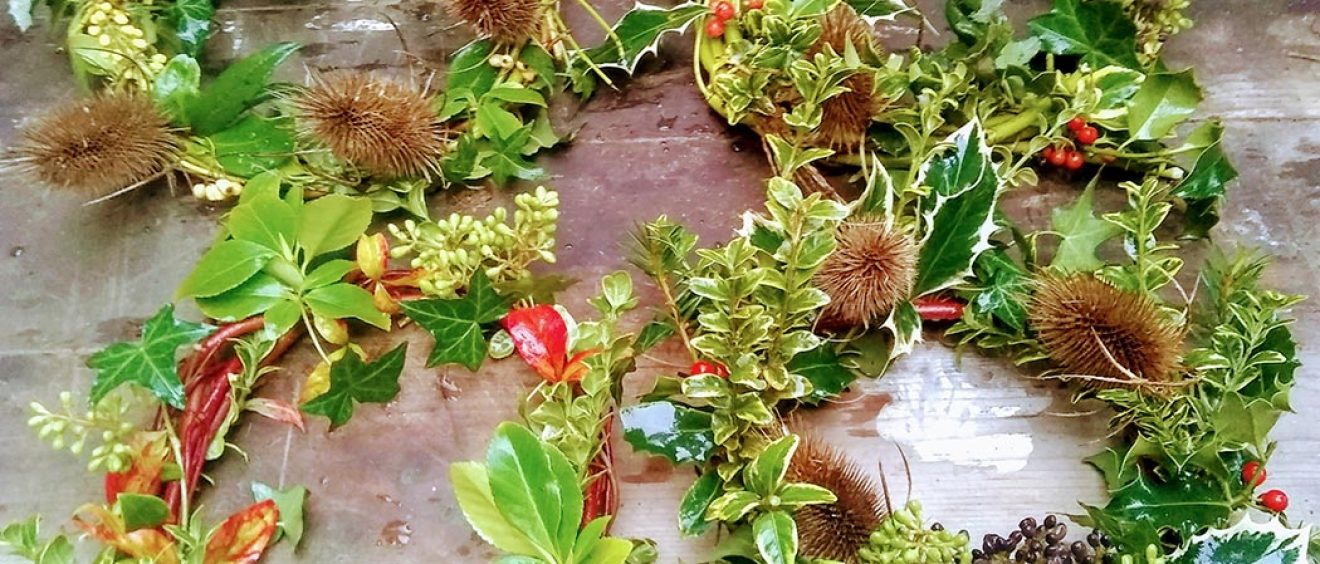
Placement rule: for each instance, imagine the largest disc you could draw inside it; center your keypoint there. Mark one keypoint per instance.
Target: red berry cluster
(1253, 474)
(1067, 157)
(708, 367)
(721, 11)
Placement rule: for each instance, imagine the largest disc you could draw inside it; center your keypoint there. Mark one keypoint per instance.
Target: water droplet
(17, 251)
(395, 533)
(666, 122)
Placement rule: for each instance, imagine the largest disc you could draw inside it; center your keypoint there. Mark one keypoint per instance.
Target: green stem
(609, 30)
(1014, 125)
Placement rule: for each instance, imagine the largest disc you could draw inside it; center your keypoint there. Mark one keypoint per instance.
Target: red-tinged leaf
(277, 410)
(143, 544)
(577, 366)
(143, 474)
(541, 338)
(244, 536)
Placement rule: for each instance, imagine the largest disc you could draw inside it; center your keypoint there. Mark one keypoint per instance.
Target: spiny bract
(835, 530)
(870, 271)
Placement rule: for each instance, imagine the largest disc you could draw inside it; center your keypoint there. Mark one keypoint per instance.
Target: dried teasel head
(846, 116)
(836, 530)
(379, 125)
(504, 21)
(98, 147)
(1092, 328)
(870, 271)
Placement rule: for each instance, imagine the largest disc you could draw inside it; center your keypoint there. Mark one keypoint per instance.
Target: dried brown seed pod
(836, 530)
(870, 271)
(1092, 328)
(846, 116)
(504, 21)
(98, 146)
(382, 126)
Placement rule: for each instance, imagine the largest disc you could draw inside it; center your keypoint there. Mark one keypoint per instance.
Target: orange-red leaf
(150, 452)
(143, 544)
(244, 536)
(277, 410)
(541, 338)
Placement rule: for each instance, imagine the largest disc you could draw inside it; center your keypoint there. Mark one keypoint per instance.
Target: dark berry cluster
(1043, 543)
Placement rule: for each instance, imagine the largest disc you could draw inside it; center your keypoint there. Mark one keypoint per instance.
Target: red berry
(715, 27)
(1077, 123)
(755, 4)
(1074, 161)
(1058, 157)
(708, 367)
(1274, 500)
(723, 10)
(1048, 153)
(1253, 474)
(1087, 135)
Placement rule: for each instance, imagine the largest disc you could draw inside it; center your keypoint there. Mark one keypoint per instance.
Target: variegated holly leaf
(958, 215)
(1248, 541)
(639, 31)
(878, 10)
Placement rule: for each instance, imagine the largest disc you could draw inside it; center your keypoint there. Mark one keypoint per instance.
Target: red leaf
(541, 338)
(281, 411)
(244, 536)
(143, 475)
(939, 308)
(145, 544)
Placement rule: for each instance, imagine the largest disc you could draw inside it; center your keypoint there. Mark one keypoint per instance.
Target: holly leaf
(1164, 100)
(639, 31)
(676, 432)
(1241, 421)
(458, 325)
(1098, 31)
(1206, 184)
(1080, 232)
(187, 24)
(1270, 542)
(1139, 513)
(692, 510)
(960, 210)
(823, 367)
(150, 362)
(352, 381)
(289, 501)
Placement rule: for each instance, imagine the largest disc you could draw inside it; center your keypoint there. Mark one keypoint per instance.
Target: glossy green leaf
(1097, 31)
(609, 551)
(458, 324)
(764, 474)
(254, 296)
(528, 484)
(224, 266)
(1004, 289)
(692, 509)
(284, 314)
(1270, 542)
(265, 220)
(639, 32)
(472, 489)
(1138, 512)
(150, 362)
(514, 94)
(239, 87)
(254, 145)
(289, 501)
(176, 86)
(1210, 172)
(469, 69)
(776, 537)
(965, 191)
(352, 381)
(189, 24)
(328, 272)
(1081, 233)
(1164, 101)
(823, 367)
(676, 432)
(332, 222)
(343, 300)
(805, 494)
(141, 511)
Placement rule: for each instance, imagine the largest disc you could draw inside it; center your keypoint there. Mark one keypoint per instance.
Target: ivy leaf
(352, 381)
(289, 501)
(458, 324)
(1081, 232)
(176, 86)
(1164, 101)
(504, 158)
(1206, 184)
(1098, 31)
(470, 70)
(692, 510)
(960, 211)
(1139, 512)
(188, 24)
(776, 537)
(1004, 286)
(639, 32)
(253, 145)
(1247, 541)
(678, 433)
(823, 367)
(238, 88)
(149, 363)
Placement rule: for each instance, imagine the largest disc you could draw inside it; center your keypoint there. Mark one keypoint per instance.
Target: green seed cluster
(903, 539)
(449, 251)
(1156, 21)
(126, 45)
(71, 430)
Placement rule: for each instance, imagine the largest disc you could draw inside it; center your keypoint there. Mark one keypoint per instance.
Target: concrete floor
(79, 278)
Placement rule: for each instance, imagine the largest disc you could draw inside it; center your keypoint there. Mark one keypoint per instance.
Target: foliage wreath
(808, 295)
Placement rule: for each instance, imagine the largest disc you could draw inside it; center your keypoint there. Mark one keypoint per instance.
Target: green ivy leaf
(150, 362)
(225, 265)
(1206, 184)
(678, 433)
(823, 367)
(776, 537)
(187, 25)
(254, 145)
(1003, 289)
(1098, 31)
(458, 324)
(238, 88)
(176, 86)
(1080, 232)
(1246, 541)
(1164, 101)
(639, 32)
(332, 222)
(692, 510)
(965, 189)
(504, 158)
(141, 511)
(470, 71)
(290, 503)
(343, 300)
(352, 381)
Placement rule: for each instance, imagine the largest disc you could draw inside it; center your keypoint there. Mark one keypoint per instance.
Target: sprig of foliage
(106, 421)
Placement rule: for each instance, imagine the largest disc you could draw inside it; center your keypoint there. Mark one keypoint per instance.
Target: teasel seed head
(836, 530)
(379, 125)
(869, 272)
(504, 21)
(98, 146)
(1092, 328)
(846, 116)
